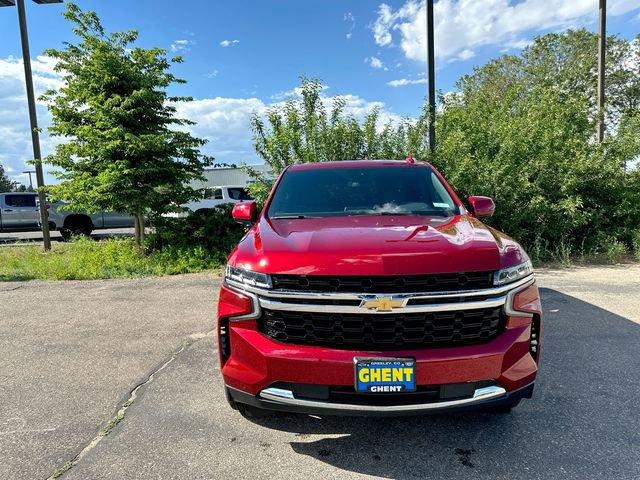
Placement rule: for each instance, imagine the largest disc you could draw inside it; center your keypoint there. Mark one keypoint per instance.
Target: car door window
(238, 194)
(20, 200)
(217, 194)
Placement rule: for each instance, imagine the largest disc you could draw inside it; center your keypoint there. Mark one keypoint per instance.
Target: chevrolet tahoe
(369, 288)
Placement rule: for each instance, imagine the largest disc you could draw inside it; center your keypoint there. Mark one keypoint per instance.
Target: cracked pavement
(76, 353)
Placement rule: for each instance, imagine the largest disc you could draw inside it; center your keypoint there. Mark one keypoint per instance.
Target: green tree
(21, 187)
(522, 130)
(6, 185)
(307, 129)
(125, 149)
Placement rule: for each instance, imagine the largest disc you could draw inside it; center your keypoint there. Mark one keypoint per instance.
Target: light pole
(29, 172)
(431, 77)
(602, 47)
(33, 118)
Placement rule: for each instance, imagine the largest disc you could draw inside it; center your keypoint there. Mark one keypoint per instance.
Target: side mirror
(245, 212)
(481, 206)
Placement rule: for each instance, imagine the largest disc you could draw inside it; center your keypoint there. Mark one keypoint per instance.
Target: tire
(78, 226)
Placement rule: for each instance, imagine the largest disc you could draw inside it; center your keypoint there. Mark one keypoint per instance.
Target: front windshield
(329, 192)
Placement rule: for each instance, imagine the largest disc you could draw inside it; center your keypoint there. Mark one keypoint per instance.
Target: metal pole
(602, 45)
(431, 77)
(35, 137)
(29, 172)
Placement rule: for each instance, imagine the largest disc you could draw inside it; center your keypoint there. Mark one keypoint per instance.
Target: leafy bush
(85, 259)
(636, 244)
(615, 250)
(522, 130)
(212, 230)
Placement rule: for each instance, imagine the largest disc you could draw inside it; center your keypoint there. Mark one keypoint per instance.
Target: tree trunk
(139, 226)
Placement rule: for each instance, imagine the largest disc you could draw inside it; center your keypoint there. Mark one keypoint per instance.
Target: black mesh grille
(382, 331)
(384, 284)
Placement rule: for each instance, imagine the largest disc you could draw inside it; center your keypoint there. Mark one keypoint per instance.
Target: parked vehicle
(18, 211)
(368, 287)
(71, 223)
(211, 198)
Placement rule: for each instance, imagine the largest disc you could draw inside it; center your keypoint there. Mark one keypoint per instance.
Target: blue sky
(244, 55)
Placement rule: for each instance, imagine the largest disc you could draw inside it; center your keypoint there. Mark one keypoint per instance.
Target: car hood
(375, 245)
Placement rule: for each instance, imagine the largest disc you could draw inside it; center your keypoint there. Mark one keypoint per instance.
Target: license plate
(385, 375)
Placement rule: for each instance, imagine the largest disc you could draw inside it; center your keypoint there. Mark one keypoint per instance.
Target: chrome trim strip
(358, 296)
(286, 397)
(437, 307)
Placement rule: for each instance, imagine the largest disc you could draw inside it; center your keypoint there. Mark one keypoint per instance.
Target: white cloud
(212, 74)
(383, 24)
(466, 54)
(182, 45)
(403, 82)
(15, 135)
(462, 25)
(229, 43)
(351, 20)
(374, 62)
(225, 122)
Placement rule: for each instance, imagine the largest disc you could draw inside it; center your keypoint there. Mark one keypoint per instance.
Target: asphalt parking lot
(117, 379)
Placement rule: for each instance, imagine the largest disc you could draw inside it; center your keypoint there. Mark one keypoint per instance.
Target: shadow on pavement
(583, 422)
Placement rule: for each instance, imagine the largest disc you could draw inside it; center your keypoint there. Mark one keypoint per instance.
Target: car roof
(356, 164)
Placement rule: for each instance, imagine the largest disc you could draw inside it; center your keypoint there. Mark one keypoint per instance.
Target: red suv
(367, 287)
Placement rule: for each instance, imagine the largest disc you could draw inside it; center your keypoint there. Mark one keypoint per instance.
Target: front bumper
(254, 366)
(284, 400)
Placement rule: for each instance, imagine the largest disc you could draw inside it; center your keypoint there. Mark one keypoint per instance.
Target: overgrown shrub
(615, 250)
(636, 244)
(212, 230)
(521, 129)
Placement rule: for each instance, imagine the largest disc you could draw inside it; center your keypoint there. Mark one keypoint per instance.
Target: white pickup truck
(211, 198)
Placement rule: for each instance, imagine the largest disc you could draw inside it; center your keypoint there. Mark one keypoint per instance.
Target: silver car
(71, 223)
(19, 211)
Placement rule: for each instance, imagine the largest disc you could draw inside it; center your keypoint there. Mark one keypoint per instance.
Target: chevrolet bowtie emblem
(382, 304)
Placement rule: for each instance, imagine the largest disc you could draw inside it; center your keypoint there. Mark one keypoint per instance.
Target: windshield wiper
(289, 217)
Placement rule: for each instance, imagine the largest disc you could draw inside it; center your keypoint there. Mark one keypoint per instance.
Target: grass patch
(85, 259)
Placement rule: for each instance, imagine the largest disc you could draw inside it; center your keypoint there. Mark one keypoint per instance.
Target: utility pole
(33, 118)
(602, 45)
(431, 77)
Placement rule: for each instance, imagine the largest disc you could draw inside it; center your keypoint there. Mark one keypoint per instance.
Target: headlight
(512, 274)
(248, 277)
